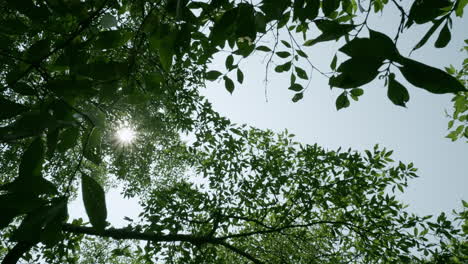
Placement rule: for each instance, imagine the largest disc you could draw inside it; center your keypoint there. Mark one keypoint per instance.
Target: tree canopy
(72, 73)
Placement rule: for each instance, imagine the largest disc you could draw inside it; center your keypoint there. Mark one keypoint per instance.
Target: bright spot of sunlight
(125, 135)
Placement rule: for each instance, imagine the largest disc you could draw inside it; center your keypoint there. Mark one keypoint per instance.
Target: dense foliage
(73, 72)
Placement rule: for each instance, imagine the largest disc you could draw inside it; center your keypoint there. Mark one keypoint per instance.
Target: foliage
(459, 118)
(73, 72)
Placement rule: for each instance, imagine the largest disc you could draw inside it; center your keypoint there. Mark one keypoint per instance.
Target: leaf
(246, 19)
(92, 147)
(212, 75)
(224, 27)
(10, 109)
(356, 72)
(229, 62)
(240, 76)
(427, 10)
(263, 48)
(397, 93)
(38, 51)
(108, 21)
(342, 101)
(32, 160)
(329, 6)
(285, 43)
(163, 40)
(32, 227)
(105, 71)
(52, 139)
(429, 78)
(302, 53)
(296, 87)
(283, 54)
(111, 39)
(68, 139)
(444, 37)
(274, 9)
(301, 73)
(306, 9)
(459, 6)
(331, 30)
(357, 92)
(94, 201)
(229, 84)
(378, 45)
(23, 88)
(428, 34)
(297, 97)
(333, 63)
(283, 67)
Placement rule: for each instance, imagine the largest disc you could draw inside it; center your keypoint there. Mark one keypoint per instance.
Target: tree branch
(119, 233)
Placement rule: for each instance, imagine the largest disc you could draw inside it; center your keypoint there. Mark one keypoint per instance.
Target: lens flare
(125, 135)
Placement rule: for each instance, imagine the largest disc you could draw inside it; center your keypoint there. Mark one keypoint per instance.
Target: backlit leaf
(94, 201)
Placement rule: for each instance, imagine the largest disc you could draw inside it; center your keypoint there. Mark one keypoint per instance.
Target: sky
(416, 133)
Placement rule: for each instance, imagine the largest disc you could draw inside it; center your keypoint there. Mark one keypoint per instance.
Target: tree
(73, 72)
(459, 118)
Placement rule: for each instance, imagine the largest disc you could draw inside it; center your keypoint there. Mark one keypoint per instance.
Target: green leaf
(52, 139)
(229, 62)
(212, 75)
(163, 40)
(33, 226)
(378, 45)
(428, 34)
(94, 201)
(356, 72)
(357, 92)
(38, 51)
(244, 25)
(32, 160)
(306, 9)
(427, 10)
(460, 5)
(68, 139)
(429, 78)
(92, 147)
(397, 93)
(283, 67)
(274, 9)
(285, 43)
(342, 101)
(10, 109)
(297, 97)
(108, 21)
(23, 88)
(229, 84)
(296, 87)
(331, 30)
(263, 48)
(283, 54)
(333, 63)
(111, 39)
(302, 53)
(240, 76)
(224, 27)
(329, 6)
(444, 37)
(301, 73)
(105, 71)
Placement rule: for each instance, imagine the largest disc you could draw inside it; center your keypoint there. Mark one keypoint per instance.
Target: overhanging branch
(119, 233)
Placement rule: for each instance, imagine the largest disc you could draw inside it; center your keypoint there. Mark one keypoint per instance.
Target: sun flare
(125, 135)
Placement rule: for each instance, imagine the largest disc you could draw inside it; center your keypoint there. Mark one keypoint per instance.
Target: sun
(125, 135)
